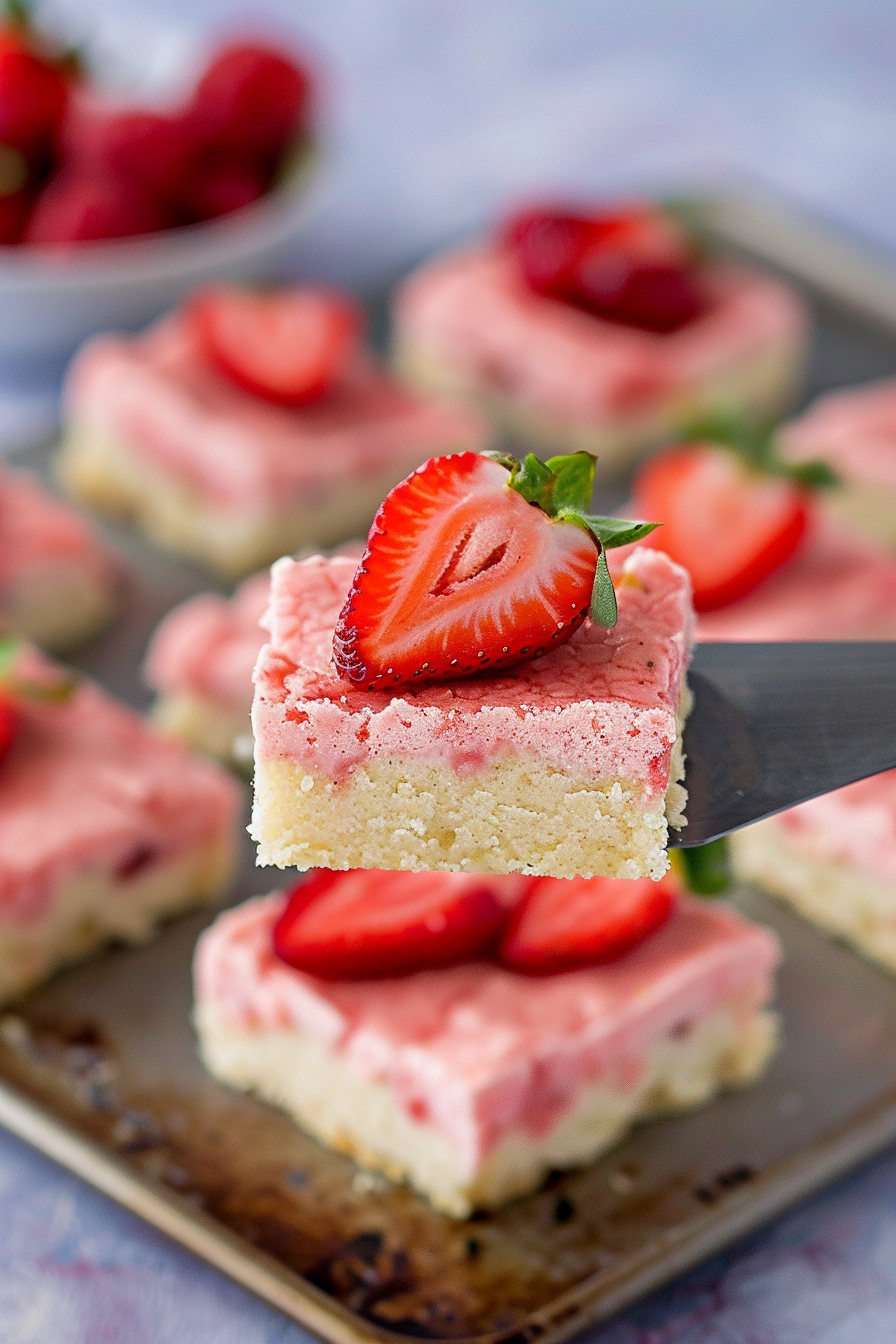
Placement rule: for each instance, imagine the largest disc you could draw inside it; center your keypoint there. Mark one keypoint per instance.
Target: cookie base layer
(759, 389)
(98, 468)
(91, 908)
(513, 816)
(224, 734)
(59, 605)
(834, 896)
(318, 1088)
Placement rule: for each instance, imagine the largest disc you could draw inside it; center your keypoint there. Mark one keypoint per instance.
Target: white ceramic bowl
(50, 302)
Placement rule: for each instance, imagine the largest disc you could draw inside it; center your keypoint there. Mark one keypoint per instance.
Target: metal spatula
(775, 724)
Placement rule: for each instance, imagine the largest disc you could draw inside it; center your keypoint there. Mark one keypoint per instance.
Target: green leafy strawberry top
(562, 488)
(757, 446)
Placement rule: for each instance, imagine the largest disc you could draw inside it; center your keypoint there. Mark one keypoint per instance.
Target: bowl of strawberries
(110, 211)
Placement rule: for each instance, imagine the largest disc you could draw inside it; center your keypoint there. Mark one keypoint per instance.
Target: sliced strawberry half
(290, 345)
(563, 923)
(477, 563)
(729, 523)
(367, 924)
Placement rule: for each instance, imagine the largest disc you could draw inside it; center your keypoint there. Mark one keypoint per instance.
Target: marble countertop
(439, 110)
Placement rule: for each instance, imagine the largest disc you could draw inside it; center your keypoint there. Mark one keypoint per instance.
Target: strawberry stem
(562, 488)
(603, 595)
(9, 652)
(757, 446)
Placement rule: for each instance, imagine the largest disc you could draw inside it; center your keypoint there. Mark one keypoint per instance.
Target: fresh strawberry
(32, 102)
(221, 185)
(252, 99)
(461, 573)
(726, 521)
(631, 266)
(562, 923)
(363, 924)
(14, 207)
(152, 149)
(75, 209)
(9, 723)
(287, 345)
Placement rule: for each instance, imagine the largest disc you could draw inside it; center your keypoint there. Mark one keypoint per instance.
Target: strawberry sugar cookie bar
(424, 736)
(472, 1080)
(105, 826)
(599, 331)
(58, 581)
(855, 430)
(199, 663)
(245, 426)
(833, 859)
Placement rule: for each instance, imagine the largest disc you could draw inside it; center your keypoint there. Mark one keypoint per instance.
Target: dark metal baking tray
(99, 1070)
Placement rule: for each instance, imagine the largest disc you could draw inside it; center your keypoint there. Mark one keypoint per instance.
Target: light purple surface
(441, 109)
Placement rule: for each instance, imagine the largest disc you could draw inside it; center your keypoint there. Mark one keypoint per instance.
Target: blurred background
(439, 110)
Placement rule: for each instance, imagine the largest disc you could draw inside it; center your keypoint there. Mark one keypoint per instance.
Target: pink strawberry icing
(478, 1051)
(87, 785)
(159, 395)
(854, 430)
(601, 706)
(209, 645)
(472, 311)
(836, 587)
(855, 826)
(38, 530)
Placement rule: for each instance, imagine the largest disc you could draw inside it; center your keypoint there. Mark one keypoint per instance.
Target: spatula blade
(775, 724)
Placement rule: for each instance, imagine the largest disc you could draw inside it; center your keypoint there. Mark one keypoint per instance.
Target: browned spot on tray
(376, 1248)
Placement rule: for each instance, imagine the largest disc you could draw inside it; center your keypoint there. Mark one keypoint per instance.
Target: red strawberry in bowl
(631, 265)
(130, 145)
(220, 185)
(33, 96)
(732, 514)
(477, 562)
(76, 208)
(290, 345)
(563, 923)
(252, 99)
(365, 924)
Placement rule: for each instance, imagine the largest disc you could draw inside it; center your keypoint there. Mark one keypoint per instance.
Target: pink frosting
(36, 529)
(208, 646)
(159, 395)
(87, 784)
(471, 310)
(601, 706)
(478, 1051)
(836, 587)
(855, 826)
(854, 430)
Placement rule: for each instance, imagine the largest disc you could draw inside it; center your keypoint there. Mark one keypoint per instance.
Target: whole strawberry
(631, 264)
(76, 208)
(476, 563)
(251, 100)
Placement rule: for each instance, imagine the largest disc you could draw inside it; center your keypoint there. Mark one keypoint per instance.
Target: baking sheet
(99, 1070)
